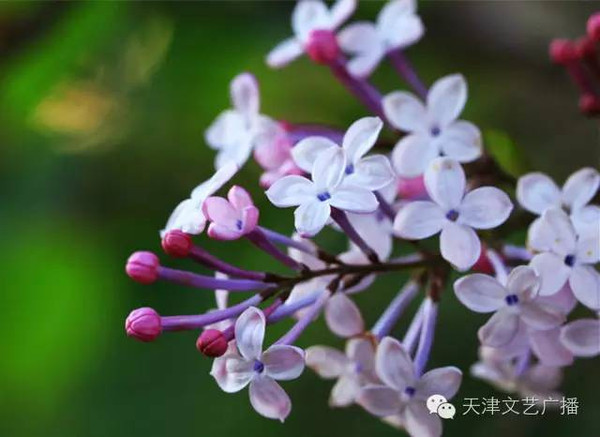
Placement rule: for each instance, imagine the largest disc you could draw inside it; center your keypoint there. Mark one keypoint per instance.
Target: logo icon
(438, 404)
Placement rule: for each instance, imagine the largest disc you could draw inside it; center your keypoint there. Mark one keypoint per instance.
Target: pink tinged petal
(379, 400)
(217, 180)
(460, 246)
(585, 283)
(485, 208)
(548, 348)
(419, 423)
(480, 293)
(405, 111)
(343, 316)
(232, 372)
(244, 94)
(500, 329)
(341, 10)
(250, 333)
(284, 53)
(581, 187)
(552, 271)
(327, 362)
(361, 137)
(544, 378)
(373, 172)
(394, 365)
(291, 191)
(361, 352)
(250, 216)
(223, 233)
(524, 282)
(283, 362)
(582, 337)
(540, 316)
(588, 250)
(269, 399)
(311, 217)
(462, 141)
(354, 199)
(306, 151)
(443, 381)
(418, 220)
(239, 197)
(446, 99)
(564, 301)
(413, 154)
(220, 211)
(536, 192)
(445, 182)
(328, 169)
(309, 15)
(406, 31)
(345, 391)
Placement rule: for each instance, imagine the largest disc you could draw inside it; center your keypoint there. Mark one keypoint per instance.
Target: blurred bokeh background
(102, 111)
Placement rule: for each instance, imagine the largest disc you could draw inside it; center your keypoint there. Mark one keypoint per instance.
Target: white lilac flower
(453, 213)
(404, 394)
(188, 216)
(373, 172)
(433, 129)
(308, 17)
(316, 198)
(536, 192)
(565, 258)
(397, 26)
(353, 369)
(234, 132)
(582, 337)
(512, 304)
(260, 370)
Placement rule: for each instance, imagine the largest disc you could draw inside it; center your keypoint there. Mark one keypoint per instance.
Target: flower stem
(292, 335)
(201, 281)
(260, 240)
(414, 329)
(342, 220)
(204, 257)
(297, 132)
(395, 309)
(407, 72)
(427, 334)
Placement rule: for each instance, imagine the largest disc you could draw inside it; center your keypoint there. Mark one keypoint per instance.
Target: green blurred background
(102, 111)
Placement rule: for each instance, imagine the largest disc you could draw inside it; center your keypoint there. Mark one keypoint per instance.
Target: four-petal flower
(231, 218)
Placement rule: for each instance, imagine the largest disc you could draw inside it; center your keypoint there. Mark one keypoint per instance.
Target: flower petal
(225, 130)
(523, 281)
(373, 173)
(309, 15)
(582, 337)
(245, 96)
(223, 233)
(554, 231)
(588, 249)
(361, 137)
(311, 217)
(306, 151)
(328, 169)
(393, 364)
(485, 208)
(585, 220)
(548, 348)
(358, 37)
(326, 361)
(536, 192)
(418, 421)
(445, 182)
(231, 381)
(291, 191)
(269, 399)
(405, 111)
(361, 351)
(363, 65)
(379, 400)
(580, 188)
(443, 381)
(480, 293)
(403, 32)
(500, 329)
(413, 154)
(345, 391)
(343, 316)
(239, 197)
(418, 220)
(540, 316)
(250, 333)
(216, 181)
(446, 99)
(187, 217)
(354, 199)
(340, 11)
(283, 362)
(284, 53)
(460, 246)
(219, 210)
(552, 271)
(585, 283)
(461, 141)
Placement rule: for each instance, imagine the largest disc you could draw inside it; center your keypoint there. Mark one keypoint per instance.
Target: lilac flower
(259, 369)
(453, 212)
(235, 131)
(582, 337)
(373, 172)
(309, 19)
(433, 130)
(565, 258)
(274, 154)
(397, 26)
(511, 305)
(353, 369)
(405, 393)
(343, 316)
(231, 218)
(315, 198)
(188, 216)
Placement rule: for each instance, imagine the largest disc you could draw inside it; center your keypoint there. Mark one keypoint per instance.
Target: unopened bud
(177, 243)
(212, 343)
(593, 27)
(585, 48)
(589, 104)
(562, 51)
(483, 264)
(142, 267)
(322, 46)
(143, 324)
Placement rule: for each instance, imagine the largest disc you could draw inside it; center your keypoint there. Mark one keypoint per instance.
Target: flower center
(409, 391)
(570, 260)
(452, 215)
(239, 224)
(258, 366)
(358, 368)
(349, 169)
(435, 131)
(512, 299)
(323, 196)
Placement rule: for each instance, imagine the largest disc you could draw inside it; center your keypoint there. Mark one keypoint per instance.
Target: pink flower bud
(483, 264)
(585, 48)
(589, 104)
(593, 27)
(143, 324)
(412, 188)
(212, 343)
(177, 243)
(142, 267)
(562, 51)
(322, 46)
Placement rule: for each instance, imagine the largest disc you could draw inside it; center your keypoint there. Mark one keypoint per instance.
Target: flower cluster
(414, 191)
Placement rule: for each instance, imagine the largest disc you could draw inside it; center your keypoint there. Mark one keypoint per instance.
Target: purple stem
(498, 266)
(414, 329)
(178, 323)
(394, 310)
(427, 334)
(342, 220)
(312, 312)
(200, 281)
(287, 310)
(204, 257)
(516, 253)
(260, 240)
(276, 237)
(407, 72)
(297, 132)
(385, 207)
